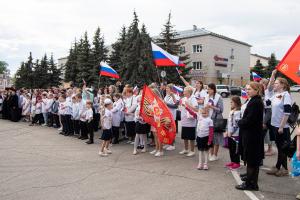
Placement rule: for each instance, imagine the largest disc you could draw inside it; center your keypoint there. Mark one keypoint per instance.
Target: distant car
(235, 90)
(223, 90)
(295, 88)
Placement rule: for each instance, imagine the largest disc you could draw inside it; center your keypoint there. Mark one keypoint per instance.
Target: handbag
(219, 124)
(289, 147)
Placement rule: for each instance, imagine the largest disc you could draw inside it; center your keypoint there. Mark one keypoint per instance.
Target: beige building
(263, 60)
(216, 58)
(5, 80)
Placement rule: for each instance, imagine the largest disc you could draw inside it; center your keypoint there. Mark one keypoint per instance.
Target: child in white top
(232, 132)
(106, 126)
(117, 117)
(26, 107)
(89, 121)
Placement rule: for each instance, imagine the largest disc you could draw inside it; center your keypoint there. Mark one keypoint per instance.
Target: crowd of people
(115, 110)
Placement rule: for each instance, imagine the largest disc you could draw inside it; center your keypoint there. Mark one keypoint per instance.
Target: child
(75, 115)
(106, 126)
(54, 113)
(44, 108)
(141, 129)
(49, 107)
(82, 118)
(233, 132)
(38, 117)
(118, 106)
(204, 137)
(26, 107)
(89, 121)
(62, 111)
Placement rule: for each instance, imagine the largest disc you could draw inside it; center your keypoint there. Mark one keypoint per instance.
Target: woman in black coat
(251, 127)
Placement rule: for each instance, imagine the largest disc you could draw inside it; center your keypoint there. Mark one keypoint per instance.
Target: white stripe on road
(238, 180)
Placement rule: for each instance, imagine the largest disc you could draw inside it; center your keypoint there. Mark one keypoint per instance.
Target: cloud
(45, 26)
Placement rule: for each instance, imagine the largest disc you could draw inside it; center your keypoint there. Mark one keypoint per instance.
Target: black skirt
(142, 128)
(202, 143)
(106, 135)
(130, 128)
(188, 133)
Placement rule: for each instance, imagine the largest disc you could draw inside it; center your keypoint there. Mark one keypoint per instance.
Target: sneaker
(60, 129)
(235, 166)
(131, 143)
(298, 196)
(44, 124)
(134, 152)
(273, 171)
(229, 164)
(199, 167)
(183, 152)
(158, 154)
(171, 148)
(190, 154)
(103, 154)
(108, 151)
(213, 158)
(282, 172)
(128, 142)
(153, 152)
(165, 146)
(144, 150)
(205, 167)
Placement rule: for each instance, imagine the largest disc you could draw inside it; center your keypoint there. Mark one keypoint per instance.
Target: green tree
(24, 75)
(272, 63)
(71, 67)
(169, 41)
(40, 75)
(3, 67)
(54, 73)
(259, 69)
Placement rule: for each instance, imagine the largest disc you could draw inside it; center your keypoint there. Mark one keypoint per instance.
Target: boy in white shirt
(89, 121)
(106, 126)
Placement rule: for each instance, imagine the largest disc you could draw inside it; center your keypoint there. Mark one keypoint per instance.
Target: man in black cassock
(13, 106)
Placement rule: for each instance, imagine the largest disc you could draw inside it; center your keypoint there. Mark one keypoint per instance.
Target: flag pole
(158, 74)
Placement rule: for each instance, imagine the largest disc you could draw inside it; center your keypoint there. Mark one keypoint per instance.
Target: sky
(50, 26)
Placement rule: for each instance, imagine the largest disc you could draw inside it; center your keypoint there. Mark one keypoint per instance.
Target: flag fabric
(178, 90)
(106, 70)
(164, 59)
(156, 113)
(256, 77)
(290, 64)
(244, 94)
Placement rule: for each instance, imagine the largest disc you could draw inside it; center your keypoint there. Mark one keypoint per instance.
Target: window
(197, 48)
(182, 49)
(197, 65)
(231, 68)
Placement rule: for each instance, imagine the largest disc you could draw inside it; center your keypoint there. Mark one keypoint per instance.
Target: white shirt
(211, 101)
(49, 105)
(278, 101)
(200, 95)
(44, 105)
(268, 95)
(68, 106)
(244, 106)
(38, 108)
(82, 110)
(62, 108)
(169, 100)
(232, 123)
(89, 115)
(187, 120)
(117, 113)
(75, 111)
(203, 126)
(130, 106)
(107, 120)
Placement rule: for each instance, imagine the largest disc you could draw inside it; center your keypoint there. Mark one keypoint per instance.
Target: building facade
(255, 57)
(5, 80)
(216, 58)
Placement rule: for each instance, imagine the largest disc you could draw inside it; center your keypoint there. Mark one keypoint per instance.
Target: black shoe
(244, 186)
(243, 175)
(84, 138)
(66, 134)
(244, 178)
(89, 142)
(62, 133)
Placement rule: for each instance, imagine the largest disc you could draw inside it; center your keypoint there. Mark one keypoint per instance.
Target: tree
(71, 67)
(169, 41)
(99, 53)
(272, 63)
(24, 75)
(54, 73)
(259, 69)
(3, 67)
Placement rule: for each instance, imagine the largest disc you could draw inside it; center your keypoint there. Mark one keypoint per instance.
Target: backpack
(293, 117)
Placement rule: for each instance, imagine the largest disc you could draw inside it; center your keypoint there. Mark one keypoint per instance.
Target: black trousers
(38, 118)
(233, 151)
(115, 134)
(69, 125)
(76, 125)
(279, 140)
(55, 120)
(90, 128)
(252, 175)
(96, 120)
(83, 129)
(64, 124)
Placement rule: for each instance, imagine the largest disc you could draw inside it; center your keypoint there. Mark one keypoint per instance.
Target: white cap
(107, 101)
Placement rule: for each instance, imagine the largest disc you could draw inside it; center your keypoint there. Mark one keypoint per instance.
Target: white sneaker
(107, 151)
(131, 143)
(153, 152)
(171, 148)
(158, 154)
(128, 142)
(103, 154)
(213, 158)
(144, 150)
(165, 146)
(184, 152)
(190, 154)
(44, 124)
(134, 152)
(60, 129)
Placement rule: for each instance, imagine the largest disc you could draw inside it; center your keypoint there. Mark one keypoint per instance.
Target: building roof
(263, 57)
(195, 32)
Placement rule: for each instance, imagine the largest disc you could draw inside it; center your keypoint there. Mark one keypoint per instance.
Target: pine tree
(99, 53)
(41, 73)
(259, 69)
(54, 73)
(71, 67)
(24, 75)
(272, 63)
(169, 41)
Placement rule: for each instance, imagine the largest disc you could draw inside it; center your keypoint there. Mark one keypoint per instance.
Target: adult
(13, 105)
(251, 128)
(129, 109)
(188, 122)
(281, 109)
(214, 102)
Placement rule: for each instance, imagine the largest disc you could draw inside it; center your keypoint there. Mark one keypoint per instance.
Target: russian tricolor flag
(256, 77)
(244, 94)
(163, 58)
(178, 90)
(106, 70)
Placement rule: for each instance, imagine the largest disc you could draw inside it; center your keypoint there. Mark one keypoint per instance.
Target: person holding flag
(256, 77)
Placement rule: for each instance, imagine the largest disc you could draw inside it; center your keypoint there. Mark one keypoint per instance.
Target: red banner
(290, 64)
(156, 113)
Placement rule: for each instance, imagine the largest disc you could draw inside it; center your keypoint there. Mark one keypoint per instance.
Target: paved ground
(37, 163)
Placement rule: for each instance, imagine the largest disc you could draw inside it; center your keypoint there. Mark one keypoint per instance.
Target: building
(5, 80)
(216, 58)
(61, 64)
(255, 57)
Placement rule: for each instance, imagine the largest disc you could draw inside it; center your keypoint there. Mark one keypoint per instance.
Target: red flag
(290, 64)
(155, 112)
